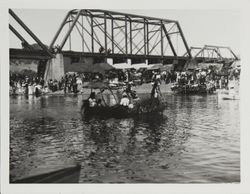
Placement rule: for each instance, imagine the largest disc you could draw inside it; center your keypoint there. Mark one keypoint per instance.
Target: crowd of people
(32, 84)
(72, 82)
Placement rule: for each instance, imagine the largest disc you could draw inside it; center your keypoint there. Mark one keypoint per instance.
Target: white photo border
(241, 188)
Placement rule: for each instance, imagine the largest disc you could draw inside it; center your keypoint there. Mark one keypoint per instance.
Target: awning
(156, 66)
(161, 67)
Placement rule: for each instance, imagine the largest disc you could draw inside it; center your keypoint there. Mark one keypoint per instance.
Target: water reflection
(195, 140)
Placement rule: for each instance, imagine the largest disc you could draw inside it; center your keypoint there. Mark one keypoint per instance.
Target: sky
(200, 27)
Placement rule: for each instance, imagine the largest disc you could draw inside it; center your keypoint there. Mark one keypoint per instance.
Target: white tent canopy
(128, 66)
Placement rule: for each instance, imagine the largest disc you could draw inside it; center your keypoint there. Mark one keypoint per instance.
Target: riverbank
(140, 89)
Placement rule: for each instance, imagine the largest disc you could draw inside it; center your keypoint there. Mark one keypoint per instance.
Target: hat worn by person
(124, 95)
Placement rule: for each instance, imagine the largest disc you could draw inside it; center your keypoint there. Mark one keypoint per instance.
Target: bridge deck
(42, 55)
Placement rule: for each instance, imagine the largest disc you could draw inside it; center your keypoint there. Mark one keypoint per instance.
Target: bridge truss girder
(214, 54)
(110, 32)
(22, 39)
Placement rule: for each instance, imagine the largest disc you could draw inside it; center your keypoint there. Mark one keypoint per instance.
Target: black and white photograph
(124, 96)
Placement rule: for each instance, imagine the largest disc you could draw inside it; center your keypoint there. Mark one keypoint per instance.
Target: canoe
(228, 95)
(151, 106)
(65, 175)
(140, 107)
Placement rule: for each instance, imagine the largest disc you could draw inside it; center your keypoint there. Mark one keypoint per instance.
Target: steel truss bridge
(213, 54)
(105, 34)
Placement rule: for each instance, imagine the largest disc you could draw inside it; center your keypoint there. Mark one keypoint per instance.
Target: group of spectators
(207, 80)
(32, 84)
(72, 82)
(26, 84)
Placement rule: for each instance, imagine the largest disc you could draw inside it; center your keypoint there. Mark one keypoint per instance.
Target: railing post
(146, 51)
(105, 33)
(130, 37)
(126, 35)
(147, 39)
(112, 35)
(92, 33)
(161, 39)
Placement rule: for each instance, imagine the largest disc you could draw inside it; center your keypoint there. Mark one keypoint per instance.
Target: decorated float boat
(103, 109)
(193, 89)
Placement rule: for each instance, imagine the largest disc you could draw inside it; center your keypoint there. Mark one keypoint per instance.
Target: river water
(196, 140)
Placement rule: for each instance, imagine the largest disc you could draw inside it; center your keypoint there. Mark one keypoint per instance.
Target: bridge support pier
(54, 68)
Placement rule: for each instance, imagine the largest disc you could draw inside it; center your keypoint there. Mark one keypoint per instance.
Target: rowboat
(65, 175)
(138, 108)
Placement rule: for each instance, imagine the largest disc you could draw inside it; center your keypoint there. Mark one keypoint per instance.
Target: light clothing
(46, 89)
(155, 94)
(112, 100)
(203, 73)
(178, 76)
(92, 102)
(30, 90)
(183, 73)
(220, 83)
(39, 87)
(19, 88)
(78, 81)
(131, 106)
(124, 101)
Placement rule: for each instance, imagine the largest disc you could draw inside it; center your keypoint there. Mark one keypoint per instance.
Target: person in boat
(125, 100)
(131, 93)
(99, 103)
(128, 89)
(92, 100)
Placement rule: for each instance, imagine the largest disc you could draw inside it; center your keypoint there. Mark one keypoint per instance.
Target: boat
(193, 89)
(119, 111)
(228, 95)
(138, 108)
(65, 175)
(231, 93)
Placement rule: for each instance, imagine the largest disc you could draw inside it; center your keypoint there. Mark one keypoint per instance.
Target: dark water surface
(196, 140)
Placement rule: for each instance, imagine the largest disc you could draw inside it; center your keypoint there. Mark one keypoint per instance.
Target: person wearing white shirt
(124, 100)
(92, 100)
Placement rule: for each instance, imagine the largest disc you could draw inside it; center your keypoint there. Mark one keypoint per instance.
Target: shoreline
(140, 89)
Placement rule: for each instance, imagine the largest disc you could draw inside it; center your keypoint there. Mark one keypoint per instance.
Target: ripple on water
(195, 141)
